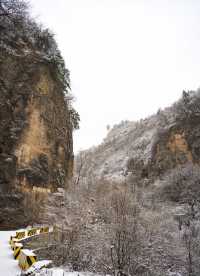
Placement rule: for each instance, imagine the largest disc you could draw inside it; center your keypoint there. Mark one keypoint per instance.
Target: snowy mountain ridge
(152, 145)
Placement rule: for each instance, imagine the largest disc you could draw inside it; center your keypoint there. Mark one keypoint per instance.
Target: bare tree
(13, 8)
(79, 167)
(124, 242)
(190, 237)
(182, 186)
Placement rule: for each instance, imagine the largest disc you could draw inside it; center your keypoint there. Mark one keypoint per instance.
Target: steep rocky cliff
(36, 147)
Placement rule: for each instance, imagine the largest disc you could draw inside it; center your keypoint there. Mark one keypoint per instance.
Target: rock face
(156, 162)
(149, 148)
(36, 147)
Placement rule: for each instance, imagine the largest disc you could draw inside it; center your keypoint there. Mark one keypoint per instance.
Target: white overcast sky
(127, 58)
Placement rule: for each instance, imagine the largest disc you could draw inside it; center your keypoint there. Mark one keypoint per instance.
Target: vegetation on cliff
(132, 207)
(36, 117)
(156, 163)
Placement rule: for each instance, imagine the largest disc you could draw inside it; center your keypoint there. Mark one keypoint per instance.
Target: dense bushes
(188, 107)
(182, 184)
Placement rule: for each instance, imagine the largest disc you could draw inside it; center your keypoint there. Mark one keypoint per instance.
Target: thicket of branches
(182, 185)
(13, 9)
(139, 230)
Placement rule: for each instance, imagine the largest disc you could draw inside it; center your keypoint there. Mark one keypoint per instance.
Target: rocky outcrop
(149, 148)
(36, 147)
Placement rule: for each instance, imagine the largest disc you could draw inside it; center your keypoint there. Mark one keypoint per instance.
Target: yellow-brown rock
(36, 147)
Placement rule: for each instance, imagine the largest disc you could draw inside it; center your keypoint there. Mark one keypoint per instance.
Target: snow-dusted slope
(8, 266)
(123, 142)
(148, 147)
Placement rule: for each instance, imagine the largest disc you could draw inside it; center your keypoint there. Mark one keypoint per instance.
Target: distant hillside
(152, 164)
(148, 147)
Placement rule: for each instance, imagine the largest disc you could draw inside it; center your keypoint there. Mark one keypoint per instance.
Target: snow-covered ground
(61, 272)
(8, 265)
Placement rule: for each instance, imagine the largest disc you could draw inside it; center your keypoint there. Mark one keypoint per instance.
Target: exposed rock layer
(149, 148)
(36, 147)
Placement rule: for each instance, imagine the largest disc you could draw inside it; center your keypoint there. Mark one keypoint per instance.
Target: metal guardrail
(26, 258)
